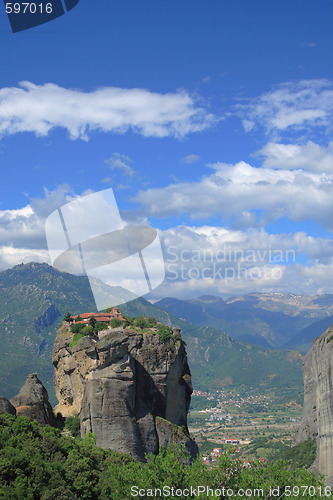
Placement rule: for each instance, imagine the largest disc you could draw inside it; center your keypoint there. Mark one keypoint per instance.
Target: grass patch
(76, 338)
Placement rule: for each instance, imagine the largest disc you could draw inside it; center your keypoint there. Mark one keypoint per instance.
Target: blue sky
(211, 121)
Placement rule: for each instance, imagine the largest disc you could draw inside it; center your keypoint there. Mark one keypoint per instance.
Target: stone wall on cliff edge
(317, 419)
(127, 388)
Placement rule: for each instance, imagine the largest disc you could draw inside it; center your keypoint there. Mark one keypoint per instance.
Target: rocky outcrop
(6, 406)
(33, 401)
(317, 419)
(120, 384)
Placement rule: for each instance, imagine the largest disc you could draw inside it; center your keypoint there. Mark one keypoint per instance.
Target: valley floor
(257, 427)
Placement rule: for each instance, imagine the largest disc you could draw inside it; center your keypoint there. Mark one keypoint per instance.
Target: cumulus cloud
(22, 233)
(22, 237)
(120, 162)
(310, 156)
(191, 158)
(41, 108)
(291, 106)
(216, 260)
(198, 260)
(21, 227)
(243, 195)
(11, 256)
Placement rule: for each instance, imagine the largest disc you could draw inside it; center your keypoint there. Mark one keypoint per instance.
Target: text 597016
(28, 8)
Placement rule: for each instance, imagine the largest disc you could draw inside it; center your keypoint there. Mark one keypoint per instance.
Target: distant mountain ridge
(35, 297)
(268, 319)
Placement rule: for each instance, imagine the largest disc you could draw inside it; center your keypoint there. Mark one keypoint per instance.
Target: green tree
(151, 321)
(68, 318)
(115, 322)
(129, 320)
(141, 322)
(61, 468)
(87, 330)
(164, 332)
(77, 327)
(92, 321)
(100, 325)
(73, 425)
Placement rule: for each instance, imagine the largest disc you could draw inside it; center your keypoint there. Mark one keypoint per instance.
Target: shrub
(73, 425)
(301, 455)
(164, 333)
(63, 468)
(100, 325)
(115, 322)
(151, 321)
(141, 322)
(77, 327)
(87, 330)
(129, 321)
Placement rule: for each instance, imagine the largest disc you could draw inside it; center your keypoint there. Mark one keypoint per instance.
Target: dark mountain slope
(33, 300)
(303, 340)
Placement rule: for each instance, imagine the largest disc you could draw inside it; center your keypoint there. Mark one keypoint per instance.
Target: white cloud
(192, 158)
(24, 228)
(22, 237)
(215, 260)
(21, 227)
(237, 192)
(10, 256)
(310, 156)
(198, 260)
(120, 162)
(291, 106)
(41, 108)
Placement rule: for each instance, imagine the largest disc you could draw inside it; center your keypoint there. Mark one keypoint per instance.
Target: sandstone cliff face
(317, 419)
(120, 384)
(33, 401)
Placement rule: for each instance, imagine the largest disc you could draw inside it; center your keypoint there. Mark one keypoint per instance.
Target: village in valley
(251, 427)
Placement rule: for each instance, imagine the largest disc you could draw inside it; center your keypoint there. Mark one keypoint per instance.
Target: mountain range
(273, 320)
(35, 297)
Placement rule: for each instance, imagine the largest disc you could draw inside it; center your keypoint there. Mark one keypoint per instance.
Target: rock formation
(317, 419)
(33, 401)
(128, 388)
(6, 406)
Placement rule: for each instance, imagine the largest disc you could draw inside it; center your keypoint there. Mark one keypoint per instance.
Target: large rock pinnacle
(121, 384)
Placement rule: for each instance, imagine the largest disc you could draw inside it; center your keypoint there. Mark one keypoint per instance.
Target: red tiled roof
(115, 313)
